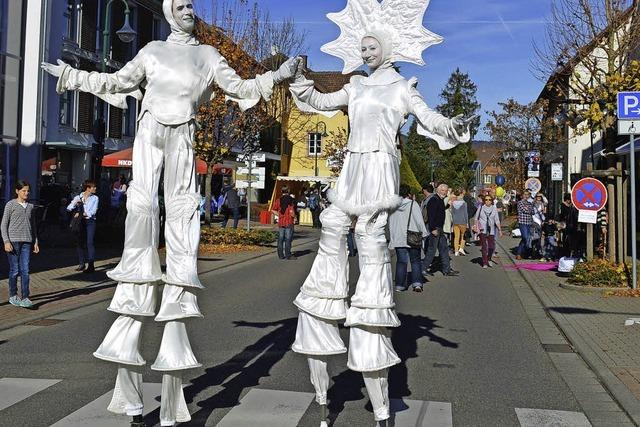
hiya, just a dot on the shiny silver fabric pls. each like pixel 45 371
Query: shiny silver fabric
pixel 378 391
pixel 319 378
pixel 175 349
pixel 367 189
pixel 127 394
pixel 317 336
pixel 173 407
pixel 122 342
pixel 178 76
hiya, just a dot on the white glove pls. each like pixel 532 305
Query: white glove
pixel 286 70
pixel 54 70
pixel 461 124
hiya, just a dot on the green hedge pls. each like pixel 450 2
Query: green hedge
pixel 230 236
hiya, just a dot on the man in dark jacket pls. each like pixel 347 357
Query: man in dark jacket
pixel 436 239
pixel 230 206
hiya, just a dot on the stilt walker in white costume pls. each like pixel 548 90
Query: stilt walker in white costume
pixel 378 34
pixel 179 75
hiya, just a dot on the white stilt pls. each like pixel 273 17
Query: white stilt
pixel 319 377
pixel 173 407
pixel 127 394
pixel 378 390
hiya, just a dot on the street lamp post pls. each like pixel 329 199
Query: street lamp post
pixel 323 134
pixel 127 35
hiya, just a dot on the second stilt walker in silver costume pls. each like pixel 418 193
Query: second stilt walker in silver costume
pixel 179 74
pixel 378 34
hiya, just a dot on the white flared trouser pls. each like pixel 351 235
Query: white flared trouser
pixel 322 303
pixel 138 273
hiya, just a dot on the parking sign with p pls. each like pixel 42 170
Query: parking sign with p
pixel 629 105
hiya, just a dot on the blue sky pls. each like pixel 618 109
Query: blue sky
pixel 492 40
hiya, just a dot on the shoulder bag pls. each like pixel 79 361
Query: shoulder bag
pixel 414 238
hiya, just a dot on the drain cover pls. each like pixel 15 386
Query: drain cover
pixel 557 348
pixel 45 322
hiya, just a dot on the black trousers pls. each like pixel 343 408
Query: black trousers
pixel 441 244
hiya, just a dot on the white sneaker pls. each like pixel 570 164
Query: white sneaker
pixel 456 254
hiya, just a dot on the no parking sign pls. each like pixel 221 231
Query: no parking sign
pixel 589 196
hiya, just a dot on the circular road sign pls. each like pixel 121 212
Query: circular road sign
pixel 533 184
pixel 589 194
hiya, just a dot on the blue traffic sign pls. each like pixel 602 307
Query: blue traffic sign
pixel 628 105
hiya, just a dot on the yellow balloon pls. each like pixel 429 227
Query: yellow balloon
pixel 500 192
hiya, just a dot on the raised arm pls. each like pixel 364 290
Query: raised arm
pixel 111 87
pixel 248 93
pixel 304 92
pixel 445 131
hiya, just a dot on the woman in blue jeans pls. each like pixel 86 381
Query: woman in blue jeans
pixel 406 217
pixel 87 215
pixel 19 236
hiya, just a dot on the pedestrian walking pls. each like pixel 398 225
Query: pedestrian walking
pixel 460 218
pixel 406 231
pixel 313 203
pixel 19 233
pixel 437 241
pixel 285 209
pixel 231 206
pixel 525 219
pixel 351 239
pixel 83 224
pixel 487 225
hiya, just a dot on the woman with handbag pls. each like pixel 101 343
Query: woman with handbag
pixel 487 225
pixel 83 210
pixel 407 231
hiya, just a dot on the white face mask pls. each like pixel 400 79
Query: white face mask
pixel 372 54
pixel 184 15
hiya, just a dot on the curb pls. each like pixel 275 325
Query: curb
pixel 621 394
pixel 589 289
pixel 54 313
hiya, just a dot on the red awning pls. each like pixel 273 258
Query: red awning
pixel 122 159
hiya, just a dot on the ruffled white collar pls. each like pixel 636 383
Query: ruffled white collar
pixel 382 77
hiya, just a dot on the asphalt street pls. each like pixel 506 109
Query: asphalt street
pixel 464 341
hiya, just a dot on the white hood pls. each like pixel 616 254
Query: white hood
pixel 178 34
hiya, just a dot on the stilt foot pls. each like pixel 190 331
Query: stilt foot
pixel 137 421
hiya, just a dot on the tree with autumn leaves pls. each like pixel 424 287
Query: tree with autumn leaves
pixel 589 55
pixel 239 32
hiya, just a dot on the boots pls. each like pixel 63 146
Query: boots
pixel 91 268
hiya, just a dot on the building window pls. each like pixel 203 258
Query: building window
pixel 488 179
pixel 70 20
pixel 66 108
pixel 315 143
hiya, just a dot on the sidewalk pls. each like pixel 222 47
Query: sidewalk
pixel 56 287
pixel 594 325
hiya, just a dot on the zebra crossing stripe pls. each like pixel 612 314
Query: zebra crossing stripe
pixel 548 418
pixel 95 413
pixel 13 390
pixel 268 408
pixel 419 413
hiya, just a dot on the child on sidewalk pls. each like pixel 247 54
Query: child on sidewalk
pixel 20 239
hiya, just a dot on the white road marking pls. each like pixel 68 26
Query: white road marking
pixel 419 413
pixel 268 408
pixel 548 418
pixel 13 390
pixel 95 413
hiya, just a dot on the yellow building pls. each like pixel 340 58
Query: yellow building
pixel 304 163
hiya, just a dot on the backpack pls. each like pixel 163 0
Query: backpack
pixel 425 213
pixel 313 202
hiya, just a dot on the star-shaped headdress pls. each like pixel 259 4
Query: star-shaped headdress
pixel 399 19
